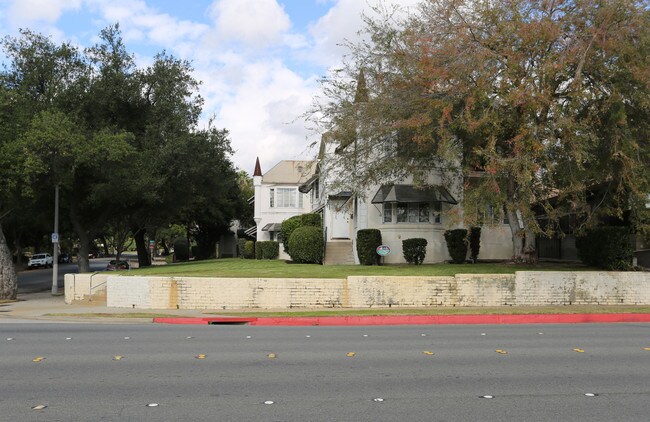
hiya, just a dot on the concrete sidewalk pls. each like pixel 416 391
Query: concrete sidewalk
pixel 40 307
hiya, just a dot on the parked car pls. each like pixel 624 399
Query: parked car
pixel 40 260
pixel 115 265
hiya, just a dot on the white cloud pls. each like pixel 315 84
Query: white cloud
pixel 251 22
pixel 260 108
pixel 25 12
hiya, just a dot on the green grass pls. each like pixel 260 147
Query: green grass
pixel 247 268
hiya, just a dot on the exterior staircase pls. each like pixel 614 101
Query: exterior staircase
pixel 339 253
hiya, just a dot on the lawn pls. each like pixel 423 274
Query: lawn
pixel 247 268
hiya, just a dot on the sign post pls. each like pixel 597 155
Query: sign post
pixel 152 243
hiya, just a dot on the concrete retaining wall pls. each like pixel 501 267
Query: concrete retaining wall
pixel 524 288
pixel 85 287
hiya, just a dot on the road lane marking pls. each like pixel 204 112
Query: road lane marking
pixel 118 357
pixel 350 354
pixel 272 356
pixel 38 359
pixel 579 350
pixel 201 356
pixel 427 352
pixel 269 402
pixel 39 407
pixel 500 351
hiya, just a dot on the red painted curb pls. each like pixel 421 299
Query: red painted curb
pixel 415 320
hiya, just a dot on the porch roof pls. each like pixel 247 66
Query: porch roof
pixel 409 193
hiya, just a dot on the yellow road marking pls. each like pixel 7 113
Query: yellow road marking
pixel 272 355
pixel 578 350
pixel 201 356
pixel 503 352
pixel 426 352
pixel 646 348
pixel 350 354
pixel 38 359
pixel 118 357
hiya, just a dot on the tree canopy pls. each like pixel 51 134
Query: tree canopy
pixel 541 106
pixel 122 143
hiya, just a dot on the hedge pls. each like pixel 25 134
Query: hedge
pixel 606 247
pixel 306 245
pixel 288 226
pixel 266 249
pixel 240 247
pixel 181 250
pixel 367 242
pixel 474 243
pixel 414 250
pixel 249 249
pixel 311 219
pixel 457 245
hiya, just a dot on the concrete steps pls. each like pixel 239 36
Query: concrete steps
pixel 339 253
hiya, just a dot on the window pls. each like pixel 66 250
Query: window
pixel 437 211
pixel 287 198
pixel 402 212
pixel 316 189
pixel 388 212
pixel 272 198
pixel 414 213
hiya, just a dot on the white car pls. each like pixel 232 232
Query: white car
pixel 40 260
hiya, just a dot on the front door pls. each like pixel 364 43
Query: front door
pixel 340 223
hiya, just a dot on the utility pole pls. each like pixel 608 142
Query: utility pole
pixel 55 243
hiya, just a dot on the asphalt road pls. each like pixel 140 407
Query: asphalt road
pixel 540 377
pixel 40 279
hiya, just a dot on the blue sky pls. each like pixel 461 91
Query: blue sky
pixel 258 60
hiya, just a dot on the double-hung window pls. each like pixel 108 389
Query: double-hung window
pixel 286 198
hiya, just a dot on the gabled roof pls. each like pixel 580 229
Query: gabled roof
pixel 290 172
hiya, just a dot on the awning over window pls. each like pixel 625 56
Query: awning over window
pixel 251 231
pixel 341 195
pixel 272 227
pixel 409 193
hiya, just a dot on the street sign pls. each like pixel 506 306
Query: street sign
pixel 383 250
pixel 55 238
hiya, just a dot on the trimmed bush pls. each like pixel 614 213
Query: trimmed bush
pixel 474 242
pixel 457 245
pixel 311 219
pixel 414 250
pixel 181 250
pixel 306 245
pixel 240 247
pixel 606 247
pixel 288 226
pixel 249 249
pixel 268 249
pixel 367 242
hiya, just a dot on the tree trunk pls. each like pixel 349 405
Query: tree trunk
pixel 523 240
pixel 141 247
pixel 84 250
pixel 163 243
pixel 8 278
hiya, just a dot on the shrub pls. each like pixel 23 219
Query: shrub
pixel 367 242
pixel 267 249
pixel 606 247
pixel 240 247
pixel 288 226
pixel 414 250
pixel 249 249
pixel 474 242
pixel 457 245
pixel 306 245
pixel 311 219
pixel 181 250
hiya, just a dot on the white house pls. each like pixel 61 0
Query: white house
pixel 277 197
pixel 400 210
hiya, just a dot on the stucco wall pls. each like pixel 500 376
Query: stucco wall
pixel 524 288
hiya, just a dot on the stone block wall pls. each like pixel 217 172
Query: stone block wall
pixel 85 287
